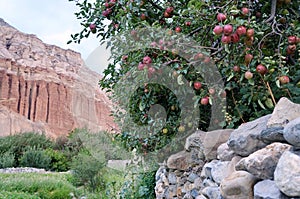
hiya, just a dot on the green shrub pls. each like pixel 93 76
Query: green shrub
pixel 86 170
pixel 34 157
pixel 16 144
pixel 7 159
pixel 74 143
pixel 139 186
pixel 59 161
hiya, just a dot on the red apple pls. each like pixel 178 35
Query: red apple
pixel 204 100
pixel 93 28
pixel 197 85
pixel 261 69
pixel 250 32
pixel 188 23
pixel 167 15
pixel 236 69
pixel 106 12
pixel 143 16
pixel 248 58
pixel 223 94
pixel 177 29
pixel 212 91
pixel 241 30
pixel 221 17
pixel 124 57
pixel 245 11
pixel 198 56
pixel 206 60
pixel 151 70
pixel 169 10
pixel 292 39
pixel 235 38
pixel 228 29
pixel 226 39
pixel 141 66
pixel 218 30
pixel 248 75
pixel 147 60
pixel 284 79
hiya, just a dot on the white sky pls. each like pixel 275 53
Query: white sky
pixel 53 21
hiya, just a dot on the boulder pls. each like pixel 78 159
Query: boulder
pixel 267 189
pixel 220 170
pixel 181 161
pixel 262 163
pixel 207 143
pixel 291 132
pixel 245 139
pixel 287 174
pixel 272 134
pixel 224 153
pixel 284 112
pixel 211 192
pixel 239 185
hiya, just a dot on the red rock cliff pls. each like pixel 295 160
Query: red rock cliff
pixel 46 88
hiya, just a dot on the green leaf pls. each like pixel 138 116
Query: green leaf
pixel 261 104
pixel 278 83
pixel 251 82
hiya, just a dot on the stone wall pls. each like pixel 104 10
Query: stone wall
pixel 258 160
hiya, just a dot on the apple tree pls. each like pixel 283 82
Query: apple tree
pixel 253 43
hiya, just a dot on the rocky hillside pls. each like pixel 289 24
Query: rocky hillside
pixel 45 88
pixel 259 160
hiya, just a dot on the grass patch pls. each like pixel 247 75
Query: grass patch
pixel 36 185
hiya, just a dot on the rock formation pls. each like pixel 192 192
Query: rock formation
pixel 45 88
pixel 260 159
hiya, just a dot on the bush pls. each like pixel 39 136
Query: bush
pixel 59 161
pixel 16 144
pixel 7 160
pixel 87 171
pixel 34 157
pixel 140 186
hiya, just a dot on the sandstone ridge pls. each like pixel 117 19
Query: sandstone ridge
pixel 47 89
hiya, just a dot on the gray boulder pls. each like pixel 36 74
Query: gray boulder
pixel 239 185
pixel 267 189
pixel 224 153
pixel 291 133
pixel 262 163
pixel 287 174
pixel 207 143
pixel 273 134
pixel 245 139
pixel 284 112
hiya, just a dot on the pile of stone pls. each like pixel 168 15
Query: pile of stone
pixel 23 170
pixel 260 159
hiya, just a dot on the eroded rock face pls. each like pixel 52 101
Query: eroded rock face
pixel 48 86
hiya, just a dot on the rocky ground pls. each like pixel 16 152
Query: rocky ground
pixel 259 160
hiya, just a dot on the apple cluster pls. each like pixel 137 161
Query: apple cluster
pixel 228 35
